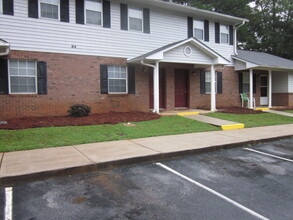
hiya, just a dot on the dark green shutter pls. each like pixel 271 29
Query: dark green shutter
pixel 206 31
pixel 202 82
pixel 3 76
pixel 217 32
pixel 146 21
pixel 254 83
pixel 33 8
pixel 104 79
pixel 42 77
pixel 64 10
pixel 219 82
pixel 131 80
pixel 79 11
pixel 8 7
pixel 124 16
pixel 106 14
pixel 231 35
pixel 189 27
pixel 240 83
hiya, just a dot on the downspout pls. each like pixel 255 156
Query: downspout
pixel 235 36
pixel 155 84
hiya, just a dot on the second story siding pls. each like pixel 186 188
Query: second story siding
pixel 45 35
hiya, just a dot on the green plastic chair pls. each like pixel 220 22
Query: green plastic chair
pixel 244 98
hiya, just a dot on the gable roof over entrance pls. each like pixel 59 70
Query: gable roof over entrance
pixel 259 60
pixel 190 51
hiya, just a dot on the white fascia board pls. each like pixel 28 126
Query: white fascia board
pixel 221 61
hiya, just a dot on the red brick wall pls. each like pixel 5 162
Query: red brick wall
pixel 72 79
pixel 280 99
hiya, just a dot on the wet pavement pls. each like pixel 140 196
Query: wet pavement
pixel 259 183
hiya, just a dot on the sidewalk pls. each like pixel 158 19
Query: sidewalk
pixel 50 162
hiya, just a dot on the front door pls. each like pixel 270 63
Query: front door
pixel 181 88
pixel 162 88
pixel 263 90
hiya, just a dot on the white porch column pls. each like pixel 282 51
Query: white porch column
pixel 156 88
pixel 250 88
pixel 213 88
pixel 270 88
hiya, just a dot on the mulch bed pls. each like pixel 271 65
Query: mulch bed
pixel 237 110
pixel 94 119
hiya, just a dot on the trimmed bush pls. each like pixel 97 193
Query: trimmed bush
pixel 79 110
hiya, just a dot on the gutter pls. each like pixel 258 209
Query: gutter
pixel 235 36
pixel 6 45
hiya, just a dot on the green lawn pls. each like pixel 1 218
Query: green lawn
pixel 254 120
pixel 63 136
pixel 290 111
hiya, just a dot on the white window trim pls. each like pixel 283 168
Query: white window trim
pixel 224 33
pixel 128 20
pixel 1 6
pixel 23 93
pixel 51 19
pixel 119 78
pixel 216 84
pixel 95 25
pixel 203 32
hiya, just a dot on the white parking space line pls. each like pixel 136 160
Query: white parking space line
pixel 8 203
pixel 270 155
pixel 214 192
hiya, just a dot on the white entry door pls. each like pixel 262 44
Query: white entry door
pixel 263 90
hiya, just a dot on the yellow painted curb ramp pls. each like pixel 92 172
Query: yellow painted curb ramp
pixel 233 126
pixel 262 109
pixel 187 113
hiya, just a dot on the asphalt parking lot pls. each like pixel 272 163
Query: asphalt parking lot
pixel 229 184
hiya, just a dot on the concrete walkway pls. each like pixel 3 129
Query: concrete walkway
pixel 224 124
pixel 50 162
pixel 280 113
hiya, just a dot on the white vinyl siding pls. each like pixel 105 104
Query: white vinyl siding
pixel 117 79
pixel 46 35
pixel 135 18
pixel 22 77
pixel 49 9
pixel 208 80
pixel 224 34
pixel 245 82
pixel 198 30
pixel 93 12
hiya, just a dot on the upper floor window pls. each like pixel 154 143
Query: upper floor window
pixel 50 9
pixel 198 31
pixel 224 30
pixel 135 18
pixel 22 76
pixel 93 11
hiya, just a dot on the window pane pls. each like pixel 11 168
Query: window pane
pixel 22 72
pixel 13 63
pixel 22 84
pixel 13 71
pixel 199 24
pixel 22 64
pixel 135 24
pixel 198 33
pixel 135 12
pixel 208 76
pixel 93 17
pixel 245 78
pixel 31 64
pixel 49 11
pixel 208 87
pixel 31 72
pixel 224 38
pixel 245 87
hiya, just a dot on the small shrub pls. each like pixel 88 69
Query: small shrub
pixel 79 110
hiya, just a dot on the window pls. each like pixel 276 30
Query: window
pixel 22 76
pixel 208 80
pixel 117 79
pixel 198 31
pixel 224 29
pixel 1 7
pixel 93 11
pixel 135 18
pixel 49 9
pixel 245 82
